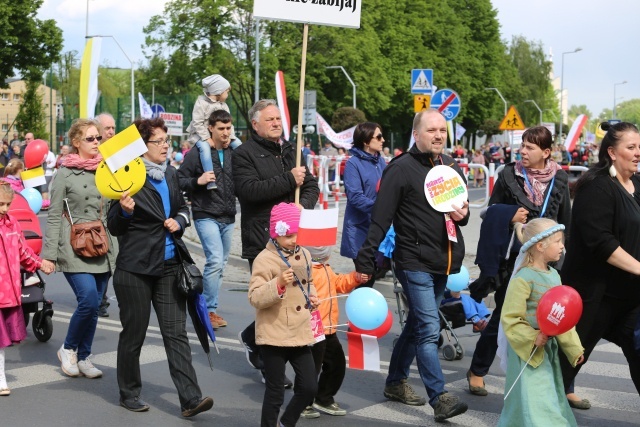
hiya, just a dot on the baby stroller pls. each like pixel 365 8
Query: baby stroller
pixel 33 294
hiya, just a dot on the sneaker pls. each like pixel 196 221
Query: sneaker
pixel 403 393
pixel 102 311
pixel 221 322
pixel 252 356
pixel 333 409
pixel 309 413
pixel 195 406
pixel 7 392
pixel 448 406
pixel 87 369
pixel 134 404
pixel 69 361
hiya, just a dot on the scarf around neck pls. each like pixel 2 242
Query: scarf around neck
pixel 74 161
pixel 154 170
pixel 538 178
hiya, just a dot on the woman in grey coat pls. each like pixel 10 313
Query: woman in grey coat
pixel 74 191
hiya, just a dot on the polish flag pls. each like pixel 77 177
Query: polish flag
pixel 364 352
pixel 281 94
pixel 318 227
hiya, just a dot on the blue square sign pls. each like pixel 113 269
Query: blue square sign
pixel 422 81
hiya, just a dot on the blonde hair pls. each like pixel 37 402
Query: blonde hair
pixel 5 187
pixel 13 167
pixel 531 230
pixel 78 129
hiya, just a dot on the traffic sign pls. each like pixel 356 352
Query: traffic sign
pixel 422 81
pixel 448 102
pixel 421 102
pixel 157 109
pixel 512 120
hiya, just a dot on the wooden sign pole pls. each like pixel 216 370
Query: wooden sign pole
pixel 303 71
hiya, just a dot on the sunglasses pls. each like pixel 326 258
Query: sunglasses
pixel 93 138
pixel 378 137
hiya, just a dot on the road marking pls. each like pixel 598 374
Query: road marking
pixel 422 415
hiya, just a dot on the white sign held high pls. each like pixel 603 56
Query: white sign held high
pixel 339 13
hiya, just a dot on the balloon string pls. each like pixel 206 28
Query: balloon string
pixel 335 326
pixel 520 374
pixel 335 296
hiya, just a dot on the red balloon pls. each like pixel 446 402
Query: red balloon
pixel 559 310
pixel 584 158
pixel 378 332
pixel 35 153
pixel 574 154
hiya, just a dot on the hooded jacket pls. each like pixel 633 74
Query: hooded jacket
pixel 329 284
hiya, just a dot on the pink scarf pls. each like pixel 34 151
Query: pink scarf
pixel 539 180
pixel 74 161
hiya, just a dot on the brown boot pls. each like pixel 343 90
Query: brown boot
pixel 220 320
pixel 214 321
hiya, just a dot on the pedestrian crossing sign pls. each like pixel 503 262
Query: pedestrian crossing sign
pixel 422 81
pixel 421 102
pixel 512 120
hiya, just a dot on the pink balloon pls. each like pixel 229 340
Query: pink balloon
pixel 378 332
pixel 35 153
pixel 559 310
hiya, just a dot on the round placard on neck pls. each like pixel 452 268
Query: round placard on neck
pixel 445 188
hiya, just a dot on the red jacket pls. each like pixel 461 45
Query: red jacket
pixel 14 252
pixel 329 284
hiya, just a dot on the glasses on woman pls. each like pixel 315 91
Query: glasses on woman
pixel 93 138
pixel 159 142
pixel 378 137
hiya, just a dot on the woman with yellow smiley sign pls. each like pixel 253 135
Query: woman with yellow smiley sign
pixel 130 177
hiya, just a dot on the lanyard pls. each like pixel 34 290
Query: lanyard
pixel 306 294
pixel 546 200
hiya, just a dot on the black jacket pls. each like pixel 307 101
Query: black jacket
pixel 219 204
pixel 421 237
pixel 142 237
pixel 262 177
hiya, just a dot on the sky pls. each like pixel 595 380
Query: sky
pixel 606 32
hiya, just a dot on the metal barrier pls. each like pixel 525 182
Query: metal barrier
pixel 487 194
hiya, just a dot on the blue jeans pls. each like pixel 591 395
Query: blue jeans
pixel 419 337
pixel 205 155
pixel 89 288
pixel 215 238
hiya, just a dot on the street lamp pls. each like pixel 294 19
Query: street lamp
pixel 502 97
pixel 133 105
pixel 350 81
pixel 615 100
pixel 153 93
pixel 534 103
pixel 578 49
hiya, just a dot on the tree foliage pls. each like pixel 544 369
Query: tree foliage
pixel 31 116
pixel 346 117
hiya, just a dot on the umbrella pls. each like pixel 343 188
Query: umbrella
pixel 200 318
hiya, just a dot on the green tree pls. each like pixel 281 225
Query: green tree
pixel 346 117
pixel 31 116
pixel 629 111
pixel 26 43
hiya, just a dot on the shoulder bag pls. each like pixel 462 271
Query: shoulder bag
pixel 189 276
pixel 88 239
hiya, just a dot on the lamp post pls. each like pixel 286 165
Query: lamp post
pixel 501 97
pixel 534 103
pixel 578 49
pixel 615 100
pixel 350 81
pixel 153 94
pixel 133 105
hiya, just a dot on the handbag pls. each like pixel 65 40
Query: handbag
pixel 88 239
pixel 189 276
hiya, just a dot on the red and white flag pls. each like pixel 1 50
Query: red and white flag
pixel 281 94
pixel 364 352
pixel 318 227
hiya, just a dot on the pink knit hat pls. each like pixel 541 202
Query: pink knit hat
pixel 285 218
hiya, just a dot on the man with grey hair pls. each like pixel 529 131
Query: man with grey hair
pixel 265 174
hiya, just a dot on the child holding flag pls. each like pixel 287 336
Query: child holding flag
pixel 283 294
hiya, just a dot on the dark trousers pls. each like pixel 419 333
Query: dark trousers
pixel 305 385
pixel 487 344
pixel 136 293
pixel 613 320
pixel 331 366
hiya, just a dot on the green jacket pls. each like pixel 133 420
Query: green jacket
pixel 79 188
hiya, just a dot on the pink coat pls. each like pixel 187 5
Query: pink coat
pixel 14 252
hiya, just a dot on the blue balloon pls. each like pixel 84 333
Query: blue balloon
pixel 178 157
pixel 366 308
pixel 34 198
pixel 459 281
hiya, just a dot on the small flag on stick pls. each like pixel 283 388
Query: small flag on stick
pixel 364 352
pixel 123 148
pixel 33 177
pixel 318 227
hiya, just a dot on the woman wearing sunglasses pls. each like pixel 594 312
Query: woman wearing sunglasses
pixel 74 195
pixel 362 175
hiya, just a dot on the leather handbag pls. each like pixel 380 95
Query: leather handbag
pixel 88 239
pixel 189 276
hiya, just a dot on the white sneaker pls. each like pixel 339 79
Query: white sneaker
pixel 69 361
pixel 87 369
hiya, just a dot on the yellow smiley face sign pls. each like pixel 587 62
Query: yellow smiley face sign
pixel 130 177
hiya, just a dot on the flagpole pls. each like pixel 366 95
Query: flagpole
pixel 303 71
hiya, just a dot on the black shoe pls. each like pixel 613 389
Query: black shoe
pixel 253 356
pixel 448 406
pixel 134 404
pixel 195 406
pixel 102 312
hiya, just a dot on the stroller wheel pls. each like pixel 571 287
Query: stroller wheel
pixel 45 330
pixel 459 351
pixel 449 352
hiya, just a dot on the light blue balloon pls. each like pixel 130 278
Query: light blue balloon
pixel 34 198
pixel 366 308
pixel 459 281
pixel 178 157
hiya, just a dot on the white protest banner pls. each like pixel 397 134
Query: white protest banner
pixel 343 139
pixel 173 122
pixel 339 13
pixel 444 188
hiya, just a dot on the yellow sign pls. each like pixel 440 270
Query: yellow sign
pixel 130 177
pixel 421 102
pixel 512 120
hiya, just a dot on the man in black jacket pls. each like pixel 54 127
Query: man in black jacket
pixel 425 254
pixel 265 174
pixel 214 211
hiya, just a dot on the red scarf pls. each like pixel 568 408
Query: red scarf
pixel 74 161
pixel 539 180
